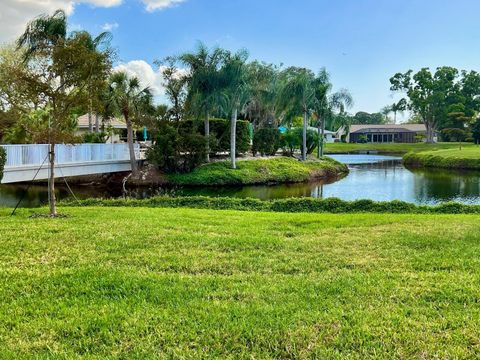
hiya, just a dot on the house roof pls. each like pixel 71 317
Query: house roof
pixel 113 122
pixel 326 131
pixel 387 128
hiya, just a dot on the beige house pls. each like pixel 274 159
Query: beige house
pixel 388 133
pixel 114 127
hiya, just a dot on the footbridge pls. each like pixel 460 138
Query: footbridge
pixel 26 162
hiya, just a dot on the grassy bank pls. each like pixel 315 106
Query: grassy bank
pixel 292 205
pixel 464 158
pixel 259 171
pixel 146 283
pixel 389 148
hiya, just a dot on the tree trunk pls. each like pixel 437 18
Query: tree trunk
pixel 322 138
pixel 304 137
pixel 52 201
pixel 430 131
pixel 207 135
pixel 131 149
pixel 97 123
pixel 233 138
pixel 90 124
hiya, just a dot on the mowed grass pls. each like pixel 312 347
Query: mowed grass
pixel 393 148
pixel 139 283
pixel 458 158
pixel 260 171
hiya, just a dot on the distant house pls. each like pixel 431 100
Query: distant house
pixel 114 127
pixel 329 136
pixel 388 133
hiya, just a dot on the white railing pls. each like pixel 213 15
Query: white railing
pixel 35 154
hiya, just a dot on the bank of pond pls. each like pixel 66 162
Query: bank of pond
pixel 377 178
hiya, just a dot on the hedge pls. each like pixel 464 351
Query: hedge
pixel 291 205
pixel 3 160
pixel 220 134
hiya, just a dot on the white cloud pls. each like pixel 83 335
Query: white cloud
pixel 152 5
pixel 147 75
pixel 14 14
pixel 110 26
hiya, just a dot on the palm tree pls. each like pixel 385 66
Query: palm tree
pixel 204 82
pixel 125 96
pixel 236 83
pixel 326 104
pixel 297 96
pixel 398 107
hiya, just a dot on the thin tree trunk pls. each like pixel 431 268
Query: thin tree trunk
pixel 131 149
pixel 430 131
pixel 319 146
pixel 233 138
pixel 207 135
pixel 97 123
pixel 304 137
pixel 322 139
pixel 90 124
pixel 51 183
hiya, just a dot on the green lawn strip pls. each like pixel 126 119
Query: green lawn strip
pixel 260 171
pixel 458 158
pixel 392 148
pixel 145 283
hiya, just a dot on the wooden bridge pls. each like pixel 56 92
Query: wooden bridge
pixel 24 161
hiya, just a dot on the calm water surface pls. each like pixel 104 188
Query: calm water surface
pixel 373 177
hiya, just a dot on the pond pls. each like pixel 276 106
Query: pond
pixel 375 177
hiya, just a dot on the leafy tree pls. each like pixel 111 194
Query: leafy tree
pixel 364 118
pixel 204 83
pixel 175 84
pixel 435 96
pixel 58 69
pixel 127 98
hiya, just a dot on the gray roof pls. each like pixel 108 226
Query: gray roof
pixel 113 122
pixel 387 128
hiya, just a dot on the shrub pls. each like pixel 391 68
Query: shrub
pixel 291 205
pixel 94 138
pixel 3 160
pixel 176 151
pixel 453 134
pixel 266 141
pixel 292 140
pixel 220 134
pixel 362 139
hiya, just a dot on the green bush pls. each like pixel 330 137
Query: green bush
pixel 94 138
pixel 292 140
pixel 3 160
pixel 176 151
pixel 266 141
pixel 453 134
pixel 220 134
pixel 291 205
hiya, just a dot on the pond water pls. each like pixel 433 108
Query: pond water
pixel 375 177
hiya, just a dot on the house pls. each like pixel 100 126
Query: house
pixel 115 128
pixel 388 133
pixel 329 136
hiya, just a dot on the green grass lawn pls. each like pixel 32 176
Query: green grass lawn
pixel 457 158
pixel 259 171
pixel 145 283
pixel 393 148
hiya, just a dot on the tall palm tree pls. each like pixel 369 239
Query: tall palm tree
pixel 326 104
pixel 297 95
pixel 236 83
pixel 204 82
pixel 126 97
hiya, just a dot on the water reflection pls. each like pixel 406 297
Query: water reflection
pixel 375 177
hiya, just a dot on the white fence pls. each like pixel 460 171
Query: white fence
pixel 35 154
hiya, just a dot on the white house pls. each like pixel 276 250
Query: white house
pixel 329 136
pixel 114 127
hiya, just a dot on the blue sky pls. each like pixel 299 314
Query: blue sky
pixel 360 42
